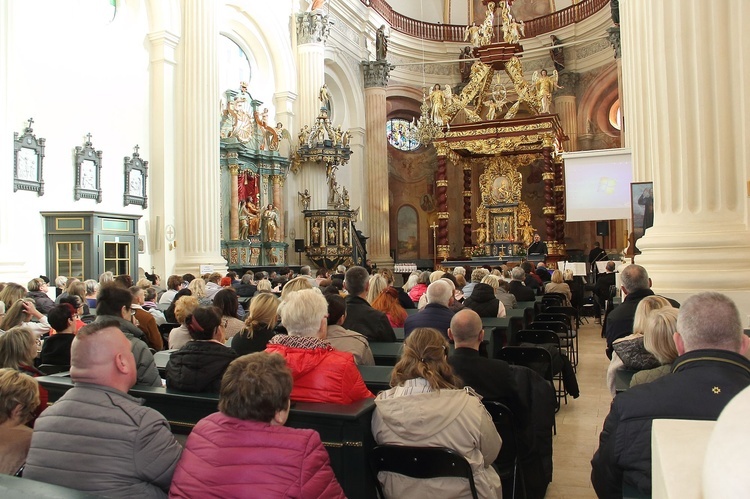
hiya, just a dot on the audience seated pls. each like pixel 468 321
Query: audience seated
pixel 710 370
pixel 476 277
pixel 38 292
pixel 388 302
pixel 18 349
pixel 198 288
pixel 113 304
pixel 200 364
pixel 501 291
pixel 19 398
pixel 321 374
pixel 21 313
pixel 149 305
pixel 226 301
pixel 427 408
pixel 145 321
pixel 245 450
pixel 184 306
pixel 557 285
pixel 517 287
pixel 658 339
pixel 260 325
pixel 376 285
pixel 169 313
pixel 294 285
pixel 56 348
pixel 96 438
pixel 403 297
pixel 174 284
pixel 436 313
pixel 11 293
pixel 345 340
pixel 360 316
pixel 543 272
pixel 213 285
pixel 532 280
pixel 636 285
pixel 420 288
pixel 490 378
pixel 484 302
pixel 246 287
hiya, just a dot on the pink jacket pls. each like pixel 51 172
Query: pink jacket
pixel 417 291
pixel 228 457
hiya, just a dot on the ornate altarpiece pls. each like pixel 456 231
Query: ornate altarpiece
pixel 252 177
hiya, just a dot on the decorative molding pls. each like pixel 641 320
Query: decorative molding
pixel 441 183
pixel 592 48
pixel 614 39
pixel 568 80
pixel 312 28
pixel 376 73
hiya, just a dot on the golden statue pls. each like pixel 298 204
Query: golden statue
pixel 544 86
pixel 437 103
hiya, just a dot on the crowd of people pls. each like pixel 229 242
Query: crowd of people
pixel 301 340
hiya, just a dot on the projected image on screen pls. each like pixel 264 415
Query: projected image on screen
pixel 597 185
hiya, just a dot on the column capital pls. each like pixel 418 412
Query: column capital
pixel 614 38
pixel 568 80
pixel 312 28
pixel 376 73
pixel 234 170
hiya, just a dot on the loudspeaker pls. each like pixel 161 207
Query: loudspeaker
pixel 602 228
pixel 299 245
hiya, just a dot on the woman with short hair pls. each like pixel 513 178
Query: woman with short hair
pixel 19 398
pixel 556 285
pixel 18 349
pixel 183 307
pixel 200 364
pixel 248 434
pixel 38 292
pixel 56 348
pixel 426 407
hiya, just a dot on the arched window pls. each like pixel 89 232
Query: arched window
pixel 234 65
pixel 615 115
pixel 401 134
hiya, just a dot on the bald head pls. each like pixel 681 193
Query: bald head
pixel 466 329
pixel 101 354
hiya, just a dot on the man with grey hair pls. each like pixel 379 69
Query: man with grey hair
pixel 709 372
pixel 360 316
pixel 436 313
pixel 636 285
pixel 246 287
pixel 517 287
pixel 306 272
pixel 321 374
pixel 476 277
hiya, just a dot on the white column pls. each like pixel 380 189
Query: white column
pixel 688 122
pixel 198 231
pixel 376 164
pixel 162 149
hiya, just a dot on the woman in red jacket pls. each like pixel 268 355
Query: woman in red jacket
pixel 245 451
pixel 321 374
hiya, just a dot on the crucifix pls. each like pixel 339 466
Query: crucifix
pixel 31 120
pixel 88 138
pixel 434 227
pixel 136 148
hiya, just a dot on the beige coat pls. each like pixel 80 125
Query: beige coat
pixel 559 287
pixel 346 340
pixel 446 418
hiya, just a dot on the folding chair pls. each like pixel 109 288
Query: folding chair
pixel 568 334
pixel 508 460
pixel 574 321
pixel 546 337
pixel 420 462
pixel 536 359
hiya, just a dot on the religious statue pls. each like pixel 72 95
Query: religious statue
pixel 481 235
pixel 324 96
pixel 437 103
pixel 270 223
pixel 303 135
pixel 345 236
pixel 513 30
pixel 557 54
pixel 337 136
pixel 464 66
pixel 315 234
pixel 544 86
pixel 304 199
pixel 248 215
pixel 346 138
pixel 487 30
pixel 381 44
pixel 448 92
pixel 345 198
pixel 331 233
pixel 241 119
pixel 527 233
pixel 317 5
pixel 471 35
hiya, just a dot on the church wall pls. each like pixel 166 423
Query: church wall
pixel 74 72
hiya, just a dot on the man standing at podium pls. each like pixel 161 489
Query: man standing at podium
pixel 537 247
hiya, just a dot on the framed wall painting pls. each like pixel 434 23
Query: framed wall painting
pixel 136 176
pixel 28 161
pixel 88 164
pixel 642 207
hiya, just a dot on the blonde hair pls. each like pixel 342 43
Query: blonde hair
pixel 16 315
pixel 492 280
pixel 425 356
pixel 658 335
pixel 198 287
pixel 143 283
pixel 296 284
pixel 264 310
pixel 376 287
pixel 17 348
pixel 645 307
pixel 17 388
pixel 437 274
pixel 264 285
pixel 557 277
pixel 184 307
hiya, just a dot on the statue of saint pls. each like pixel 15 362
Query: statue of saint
pixel 557 54
pixel 465 65
pixel 471 35
pixel 315 234
pixel 345 236
pixel 437 103
pixel 381 44
pixel 331 233
pixel 544 86
pixel 270 223
pixel 249 219
pixel 325 97
pixel 304 199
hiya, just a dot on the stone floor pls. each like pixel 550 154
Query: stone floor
pixel 580 421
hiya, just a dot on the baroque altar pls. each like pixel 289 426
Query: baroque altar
pixel 253 173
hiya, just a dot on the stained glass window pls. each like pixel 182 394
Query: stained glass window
pixel 402 134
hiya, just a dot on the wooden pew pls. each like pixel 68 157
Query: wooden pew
pixel 386 354
pixel 344 429
pixel 377 378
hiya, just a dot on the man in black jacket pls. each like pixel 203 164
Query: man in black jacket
pixel 709 372
pixel 360 316
pixel 636 285
pixel 517 287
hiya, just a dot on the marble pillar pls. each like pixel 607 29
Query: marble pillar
pixel 162 147
pixel 688 123
pixel 312 33
pixel 375 204
pixel 567 109
pixel 198 234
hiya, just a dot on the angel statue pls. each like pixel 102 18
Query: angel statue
pixel 481 235
pixel 471 34
pixel 325 98
pixel 544 86
pixel 281 133
pixel 486 30
pixel 437 103
pixel 448 95
pixel 491 108
pixel 304 199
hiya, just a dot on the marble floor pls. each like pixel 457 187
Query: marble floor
pixel 580 421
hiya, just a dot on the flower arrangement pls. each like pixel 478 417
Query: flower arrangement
pixel 478 250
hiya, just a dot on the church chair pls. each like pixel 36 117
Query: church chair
pixel 53 369
pixel 574 321
pixel 545 337
pixel 508 460
pixel 558 325
pixel 420 462
pixel 538 360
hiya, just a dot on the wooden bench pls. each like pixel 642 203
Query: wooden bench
pixel 344 429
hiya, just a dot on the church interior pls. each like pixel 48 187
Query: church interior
pixel 190 136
